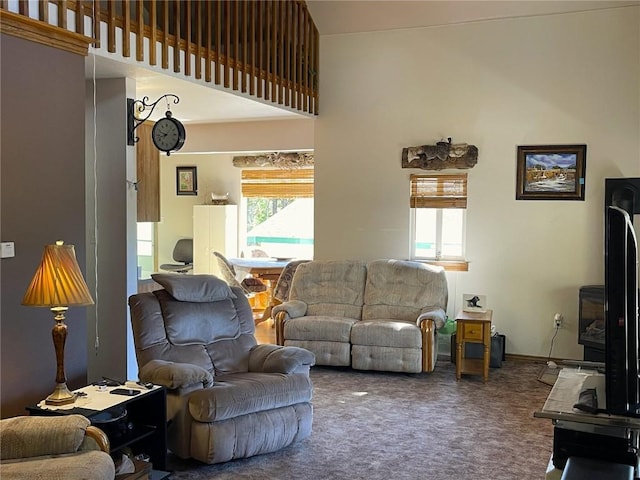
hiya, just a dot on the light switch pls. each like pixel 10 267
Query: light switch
pixel 7 249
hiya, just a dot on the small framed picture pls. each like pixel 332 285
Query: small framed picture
pixel 473 302
pixel 551 172
pixel 186 180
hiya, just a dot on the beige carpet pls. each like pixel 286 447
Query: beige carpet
pixel 371 425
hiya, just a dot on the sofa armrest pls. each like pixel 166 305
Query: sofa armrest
pixel 95 439
pixel 174 375
pixel 277 359
pixel 436 314
pixel 293 308
pixel 33 436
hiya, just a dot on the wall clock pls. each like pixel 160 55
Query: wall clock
pixel 168 134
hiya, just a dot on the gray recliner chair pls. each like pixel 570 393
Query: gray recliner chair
pixel 227 396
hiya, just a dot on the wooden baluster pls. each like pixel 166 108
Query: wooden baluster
pixel 316 66
pixel 62 14
pixel 187 39
pixel 244 33
pixel 199 48
pixel 43 10
pixel 287 54
pixel 259 39
pixel 176 37
pixel 218 37
pixel 208 51
pixel 165 34
pixel 295 51
pixel 140 31
pixel 273 67
pixel 267 51
pixel 23 7
pixel 126 28
pixel 227 43
pixel 96 19
pixel 79 10
pixel 305 63
pixel 111 27
pixel 252 50
pixel 153 22
pixel 235 40
pixel 281 48
pixel 301 19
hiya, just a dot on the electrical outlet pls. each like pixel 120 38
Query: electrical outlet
pixel 557 320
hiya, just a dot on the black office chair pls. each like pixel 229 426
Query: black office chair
pixel 182 252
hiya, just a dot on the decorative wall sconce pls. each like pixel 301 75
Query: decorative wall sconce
pixel 168 133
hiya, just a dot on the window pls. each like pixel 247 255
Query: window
pixel 277 213
pixel 146 249
pixel 438 213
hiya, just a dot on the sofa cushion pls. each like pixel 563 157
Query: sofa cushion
pixel 402 289
pixel 326 353
pixel 386 359
pixel 194 288
pixel 96 465
pixel 332 329
pixel 386 333
pixel 333 288
pixel 239 394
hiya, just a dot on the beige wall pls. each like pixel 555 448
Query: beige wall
pixel 215 174
pixel 259 136
pixel 559 79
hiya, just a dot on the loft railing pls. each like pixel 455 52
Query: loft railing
pixel 268 48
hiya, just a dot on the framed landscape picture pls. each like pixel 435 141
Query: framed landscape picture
pixel 186 180
pixel 551 172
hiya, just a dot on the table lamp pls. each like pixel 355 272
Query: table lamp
pixel 58 284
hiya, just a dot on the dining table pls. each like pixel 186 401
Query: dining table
pixel 264 268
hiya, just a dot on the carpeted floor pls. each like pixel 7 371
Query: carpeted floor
pixel 373 425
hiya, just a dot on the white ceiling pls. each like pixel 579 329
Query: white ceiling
pixel 200 103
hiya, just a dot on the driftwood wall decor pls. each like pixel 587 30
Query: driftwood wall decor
pixel 440 156
pixel 289 160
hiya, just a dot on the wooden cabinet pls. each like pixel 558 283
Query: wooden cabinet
pixel 148 175
pixel 215 229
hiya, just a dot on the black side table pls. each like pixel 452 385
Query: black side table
pixel 146 420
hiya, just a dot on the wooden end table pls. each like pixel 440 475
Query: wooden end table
pixel 473 327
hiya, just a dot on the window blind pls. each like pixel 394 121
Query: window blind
pixel 278 183
pixel 439 191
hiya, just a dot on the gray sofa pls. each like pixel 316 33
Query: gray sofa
pixel 227 397
pixel 381 315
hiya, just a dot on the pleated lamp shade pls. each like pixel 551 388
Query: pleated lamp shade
pixel 58 282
